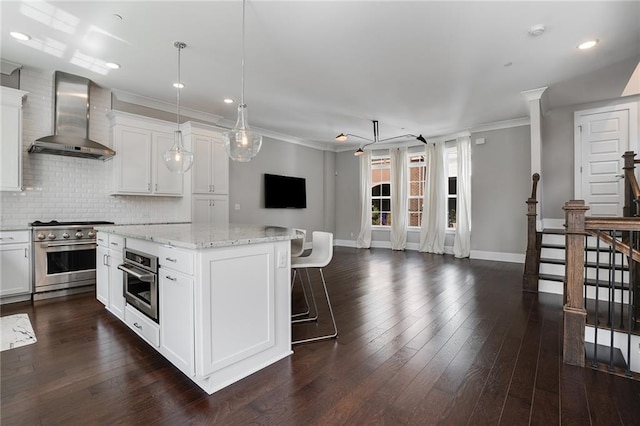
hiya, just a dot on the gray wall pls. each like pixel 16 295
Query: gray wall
pixel 500 185
pixel 557 154
pixel 246 186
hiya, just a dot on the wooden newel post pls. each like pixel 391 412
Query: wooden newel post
pixel 629 208
pixel 534 238
pixel 575 314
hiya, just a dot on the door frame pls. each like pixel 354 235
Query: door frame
pixel 632 107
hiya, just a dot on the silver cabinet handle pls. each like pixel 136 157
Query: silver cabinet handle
pixel 115 244
pixel 156 187
pixel 213 188
pixel 171 278
pixel 149 186
pixel 171 260
pixel 6 238
pixel 26 255
pixel 136 325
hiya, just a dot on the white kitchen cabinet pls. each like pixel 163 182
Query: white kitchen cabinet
pixel 138 167
pixel 11 139
pixel 109 279
pixel 211 164
pixel 210 209
pixel 177 340
pixel 15 266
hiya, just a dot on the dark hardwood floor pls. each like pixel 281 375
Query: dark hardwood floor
pixel 423 339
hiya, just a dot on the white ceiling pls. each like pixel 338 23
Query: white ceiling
pixel 318 68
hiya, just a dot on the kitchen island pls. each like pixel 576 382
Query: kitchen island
pixel 224 305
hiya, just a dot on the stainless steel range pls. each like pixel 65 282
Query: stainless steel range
pixel 64 257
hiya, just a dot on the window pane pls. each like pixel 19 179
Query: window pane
pixel 452 204
pixel 375 191
pixel 414 219
pixel 386 189
pixel 386 205
pixel 453 189
pixel 385 219
pixel 376 204
pixel 415 204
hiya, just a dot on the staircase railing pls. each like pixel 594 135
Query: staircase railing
pixel 534 241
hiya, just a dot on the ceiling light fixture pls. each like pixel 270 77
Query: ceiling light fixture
pixel 536 30
pixel 344 136
pixel 19 36
pixel 587 44
pixel 177 158
pixel 228 101
pixel 241 142
pixel 112 65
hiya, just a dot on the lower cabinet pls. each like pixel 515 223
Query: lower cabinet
pixel 15 265
pixel 176 319
pixel 109 279
pixel 213 210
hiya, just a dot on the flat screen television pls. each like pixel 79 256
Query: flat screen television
pixel 284 192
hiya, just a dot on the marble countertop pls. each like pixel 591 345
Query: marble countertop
pixel 202 235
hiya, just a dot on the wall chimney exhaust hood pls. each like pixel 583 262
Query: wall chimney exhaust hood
pixel 71 122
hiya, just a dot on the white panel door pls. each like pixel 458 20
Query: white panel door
pixel 604 139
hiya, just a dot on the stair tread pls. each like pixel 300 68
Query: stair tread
pixel 553 231
pixel 553 261
pixel 588 281
pixel 562 247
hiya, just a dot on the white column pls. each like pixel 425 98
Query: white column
pixel 535 115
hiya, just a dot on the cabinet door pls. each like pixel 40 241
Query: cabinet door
pixel 165 181
pixel 220 211
pixel 176 319
pixel 11 148
pixel 14 269
pixel 102 275
pixel 203 163
pixel 201 210
pixel 220 171
pixel 116 284
pixel 132 163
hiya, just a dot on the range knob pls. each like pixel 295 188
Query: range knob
pixel 65 235
pixel 51 236
pixel 79 234
pixel 91 234
pixel 41 236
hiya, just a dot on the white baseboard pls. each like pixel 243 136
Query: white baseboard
pixel 497 256
pixel 387 245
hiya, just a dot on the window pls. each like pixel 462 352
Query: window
pixel 416 176
pixel 381 191
pixel 452 187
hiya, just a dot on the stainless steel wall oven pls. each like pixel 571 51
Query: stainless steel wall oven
pixel 141 281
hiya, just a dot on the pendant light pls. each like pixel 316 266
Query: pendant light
pixel 344 136
pixel 177 158
pixel 242 143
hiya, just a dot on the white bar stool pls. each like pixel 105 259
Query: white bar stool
pixel 321 255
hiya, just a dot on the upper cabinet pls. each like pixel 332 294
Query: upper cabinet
pixel 11 139
pixel 210 173
pixel 139 169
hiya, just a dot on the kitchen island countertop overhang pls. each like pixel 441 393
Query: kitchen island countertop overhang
pixel 202 235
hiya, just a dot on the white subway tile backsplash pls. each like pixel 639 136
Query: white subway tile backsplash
pixel 67 188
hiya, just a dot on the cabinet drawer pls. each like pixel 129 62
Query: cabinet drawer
pixel 116 242
pixel 179 260
pixel 143 326
pixel 12 237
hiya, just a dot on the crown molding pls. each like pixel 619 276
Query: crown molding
pixel 506 124
pixel 533 94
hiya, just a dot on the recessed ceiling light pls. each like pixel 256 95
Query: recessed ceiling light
pixel 19 36
pixel 112 65
pixel 536 30
pixel 508 64
pixel 587 44
pixel 178 85
pixel 228 101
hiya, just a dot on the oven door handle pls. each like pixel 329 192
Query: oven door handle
pixel 70 244
pixel 148 277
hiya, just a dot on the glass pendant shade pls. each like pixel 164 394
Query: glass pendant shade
pixel 177 158
pixel 241 143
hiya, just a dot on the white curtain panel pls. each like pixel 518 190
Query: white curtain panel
pixel 462 240
pixel 399 198
pixel 434 218
pixel 364 237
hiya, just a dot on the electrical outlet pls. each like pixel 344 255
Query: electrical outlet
pixel 282 259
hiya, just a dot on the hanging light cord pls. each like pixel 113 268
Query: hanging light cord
pixel 178 88
pixel 242 61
